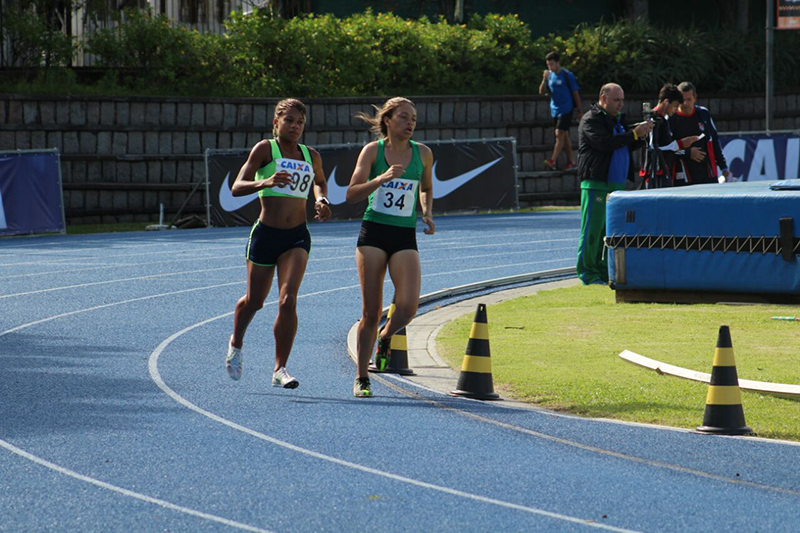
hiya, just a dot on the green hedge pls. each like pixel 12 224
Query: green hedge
pixel 381 54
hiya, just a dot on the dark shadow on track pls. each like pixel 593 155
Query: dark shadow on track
pixel 49 385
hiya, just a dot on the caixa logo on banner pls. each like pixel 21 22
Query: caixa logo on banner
pixel 762 157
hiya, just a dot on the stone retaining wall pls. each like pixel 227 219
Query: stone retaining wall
pixel 122 157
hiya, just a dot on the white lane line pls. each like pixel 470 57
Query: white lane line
pixel 223 245
pixel 152 365
pixel 187 272
pixel 117 256
pixel 112 304
pixel 114 266
pixel 155 375
pixel 495 267
pixel 125 492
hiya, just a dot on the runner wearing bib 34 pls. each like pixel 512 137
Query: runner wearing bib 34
pixel 393 173
pixel 283 172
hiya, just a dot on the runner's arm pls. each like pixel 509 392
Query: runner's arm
pixel 359 187
pixel 245 183
pixel 426 189
pixel 321 204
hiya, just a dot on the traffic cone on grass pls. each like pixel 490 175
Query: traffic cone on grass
pixel 475 380
pixel 724 413
pixel 398 363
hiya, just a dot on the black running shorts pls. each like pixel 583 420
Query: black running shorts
pixel 563 122
pixel 390 239
pixel 266 244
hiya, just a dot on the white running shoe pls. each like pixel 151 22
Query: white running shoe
pixel 281 378
pixel 233 362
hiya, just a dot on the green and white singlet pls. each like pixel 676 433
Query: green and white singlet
pixel 395 202
pixel 302 173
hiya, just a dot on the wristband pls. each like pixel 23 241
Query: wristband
pixel 323 200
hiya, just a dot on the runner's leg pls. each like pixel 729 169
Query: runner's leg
pixel 371 264
pixel 259 281
pixel 405 272
pixel 291 268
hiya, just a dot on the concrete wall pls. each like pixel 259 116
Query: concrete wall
pixel 122 157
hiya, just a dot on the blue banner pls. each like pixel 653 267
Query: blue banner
pixel 31 200
pixel 754 157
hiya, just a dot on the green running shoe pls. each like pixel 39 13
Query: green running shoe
pixel 383 354
pixel 361 388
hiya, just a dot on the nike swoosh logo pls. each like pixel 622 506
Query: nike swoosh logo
pixel 443 188
pixel 336 193
pixel 230 203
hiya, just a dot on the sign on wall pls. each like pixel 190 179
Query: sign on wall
pixel 754 157
pixel 788 14
pixel 467 174
pixel 31 200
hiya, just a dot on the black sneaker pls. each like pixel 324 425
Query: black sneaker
pixel 383 354
pixel 361 388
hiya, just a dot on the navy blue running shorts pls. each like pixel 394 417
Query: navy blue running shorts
pixel 390 239
pixel 266 244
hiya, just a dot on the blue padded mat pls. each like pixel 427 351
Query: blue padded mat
pixel 716 237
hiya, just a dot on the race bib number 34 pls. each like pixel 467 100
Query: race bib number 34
pixel 302 177
pixel 396 198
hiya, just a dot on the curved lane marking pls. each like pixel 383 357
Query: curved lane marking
pixel 587 447
pixel 125 492
pixel 152 365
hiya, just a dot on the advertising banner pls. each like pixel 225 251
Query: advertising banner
pixel 466 174
pixel 31 200
pixel 753 157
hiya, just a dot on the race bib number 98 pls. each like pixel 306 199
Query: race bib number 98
pixel 395 197
pixel 302 177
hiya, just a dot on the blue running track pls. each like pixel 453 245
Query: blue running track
pixel 116 413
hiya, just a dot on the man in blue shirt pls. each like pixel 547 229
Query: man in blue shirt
pixel 564 100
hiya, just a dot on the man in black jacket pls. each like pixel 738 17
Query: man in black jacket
pixel 703 161
pixel 605 148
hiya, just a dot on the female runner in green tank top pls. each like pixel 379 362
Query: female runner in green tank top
pixel 393 172
pixel 281 171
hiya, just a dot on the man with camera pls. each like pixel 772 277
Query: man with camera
pixel 703 161
pixel 605 163
pixel 658 161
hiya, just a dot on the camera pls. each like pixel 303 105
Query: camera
pixel 647 111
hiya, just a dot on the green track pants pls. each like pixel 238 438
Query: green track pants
pixel 592 264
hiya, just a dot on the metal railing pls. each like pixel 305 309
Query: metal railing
pixel 79 22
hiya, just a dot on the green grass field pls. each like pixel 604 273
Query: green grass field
pixel 558 349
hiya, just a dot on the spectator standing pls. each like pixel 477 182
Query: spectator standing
pixel 703 161
pixel 605 147
pixel 669 98
pixel 565 101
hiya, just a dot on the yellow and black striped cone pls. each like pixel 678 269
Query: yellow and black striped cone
pixel 475 380
pixel 398 364
pixel 724 413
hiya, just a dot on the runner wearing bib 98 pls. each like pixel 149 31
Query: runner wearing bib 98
pixel 282 172
pixel 393 172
